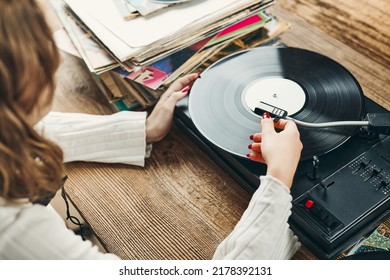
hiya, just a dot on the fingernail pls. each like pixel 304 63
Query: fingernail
pixel 250 146
pixel 185 89
pixel 266 115
pixel 248 155
pixel 251 137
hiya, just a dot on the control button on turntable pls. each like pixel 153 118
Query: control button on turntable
pixel 309 203
pixel 376 171
pixel 382 184
pixel 315 210
pixel 322 215
pixel 328 221
pixel 364 164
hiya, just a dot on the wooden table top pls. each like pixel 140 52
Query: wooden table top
pixel 182 205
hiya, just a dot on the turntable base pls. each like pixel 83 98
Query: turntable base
pixel 346 205
pixel 348 198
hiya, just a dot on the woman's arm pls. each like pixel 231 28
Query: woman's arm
pixel 263 231
pixel 116 138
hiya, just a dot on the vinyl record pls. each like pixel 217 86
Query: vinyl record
pixel 309 86
pixel 168 1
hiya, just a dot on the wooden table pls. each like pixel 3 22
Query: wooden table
pixel 181 205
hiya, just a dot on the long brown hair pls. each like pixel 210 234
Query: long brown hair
pixel 29 164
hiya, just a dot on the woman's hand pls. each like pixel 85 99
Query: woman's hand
pixel 281 151
pixel 159 122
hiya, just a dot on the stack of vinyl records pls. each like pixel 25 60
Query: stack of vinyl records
pixel 135 49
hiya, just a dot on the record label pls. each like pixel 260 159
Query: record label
pixel 279 92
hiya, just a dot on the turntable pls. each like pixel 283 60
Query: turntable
pixel 341 190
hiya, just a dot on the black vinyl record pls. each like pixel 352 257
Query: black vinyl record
pixel 309 86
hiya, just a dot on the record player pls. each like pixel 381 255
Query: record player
pixel 341 190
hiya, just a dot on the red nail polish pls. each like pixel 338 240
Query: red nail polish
pixel 248 155
pixel 266 115
pixel 251 137
pixel 250 146
pixel 185 89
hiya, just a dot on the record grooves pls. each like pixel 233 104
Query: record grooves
pixel 309 86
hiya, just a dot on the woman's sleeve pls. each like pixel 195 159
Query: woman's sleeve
pixel 263 231
pixel 116 138
pixel 36 232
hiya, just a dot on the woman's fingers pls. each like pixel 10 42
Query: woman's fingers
pixel 172 100
pixel 182 82
pixel 255 154
pixel 255 147
pixel 256 137
pixel 256 157
pixel 267 125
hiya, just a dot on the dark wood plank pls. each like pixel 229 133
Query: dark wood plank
pixel 360 24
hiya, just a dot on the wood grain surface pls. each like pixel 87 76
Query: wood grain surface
pixel 354 33
pixel 181 205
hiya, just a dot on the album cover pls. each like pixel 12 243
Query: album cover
pixel 154 75
pixel 126 10
pixel 146 7
pixel 104 90
pixel 97 59
pixel 144 98
pixel 112 86
pixel 240 28
pixel 65 14
pixel 267 35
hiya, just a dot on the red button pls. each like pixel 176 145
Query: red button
pixel 309 203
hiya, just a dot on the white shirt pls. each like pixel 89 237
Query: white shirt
pixel 30 231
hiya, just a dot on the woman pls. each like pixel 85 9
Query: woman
pixel 32 166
